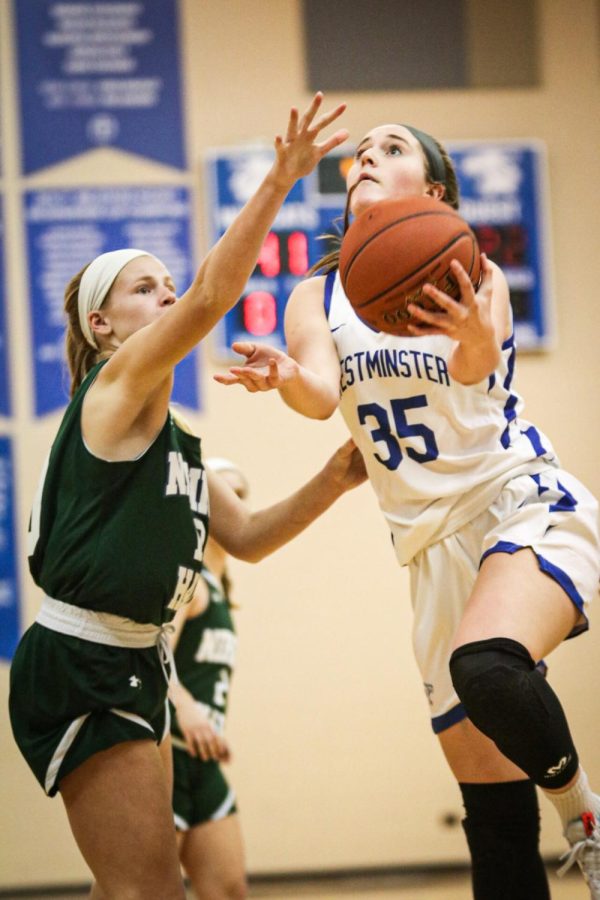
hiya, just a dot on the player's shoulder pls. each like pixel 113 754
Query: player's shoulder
pixel 180 420
pixel 313 286
pixel 307 294
pixel 501 302
pixel 496 269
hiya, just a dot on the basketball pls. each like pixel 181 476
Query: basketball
pixel 393 248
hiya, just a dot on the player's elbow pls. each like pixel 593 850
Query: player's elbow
pixel 247 545
pixel 321 408
pixel 325 413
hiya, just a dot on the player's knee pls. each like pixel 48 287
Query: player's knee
pixel 222 885
pixel 488 675
pixel 236 887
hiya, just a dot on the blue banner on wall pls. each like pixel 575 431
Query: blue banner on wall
pixel 5 403
pixel 9 586
pixel 97 74
pixel 503 198
pixel 68 228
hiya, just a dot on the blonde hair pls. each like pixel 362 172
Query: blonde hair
pixel 330 261
pixel 81 356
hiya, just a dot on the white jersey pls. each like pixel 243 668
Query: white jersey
pixel 437 452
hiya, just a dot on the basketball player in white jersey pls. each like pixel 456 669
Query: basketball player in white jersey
pixel 502 544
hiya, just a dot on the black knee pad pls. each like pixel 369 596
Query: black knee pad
pixel 511 702
pixel 486 674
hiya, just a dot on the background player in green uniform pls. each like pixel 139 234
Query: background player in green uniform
pixel 209 835
pixel 87 688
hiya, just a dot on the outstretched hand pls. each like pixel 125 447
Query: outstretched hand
pixel 468 320
pixel 265 369
pixel 299 151
pixel 479 323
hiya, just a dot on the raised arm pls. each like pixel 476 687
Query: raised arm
pixel 251 535
pixel 140 370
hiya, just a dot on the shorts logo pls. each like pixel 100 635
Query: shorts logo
pixel 563 762
pixel 136 682
pixel 428 692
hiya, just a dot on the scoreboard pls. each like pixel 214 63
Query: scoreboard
pixel 503 197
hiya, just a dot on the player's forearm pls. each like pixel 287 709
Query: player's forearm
pixel 272 528
pixel 310 395
pixel 179 696
pixel 471 363
pixel 223 275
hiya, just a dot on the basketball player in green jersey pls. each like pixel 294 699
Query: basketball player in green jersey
pixel 208 829
pixel 118 530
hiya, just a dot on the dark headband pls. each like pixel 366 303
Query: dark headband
pixel 437 169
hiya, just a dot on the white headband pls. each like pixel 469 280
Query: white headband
pixel 96 282
pixel 220 464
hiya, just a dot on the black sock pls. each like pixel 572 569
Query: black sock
pixel 502 828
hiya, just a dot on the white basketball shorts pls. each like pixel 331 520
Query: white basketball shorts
pixel 553 514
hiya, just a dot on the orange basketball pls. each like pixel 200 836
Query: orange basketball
pixel 393 248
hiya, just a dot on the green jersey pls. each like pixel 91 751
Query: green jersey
pixel 120 537
pixel 205 655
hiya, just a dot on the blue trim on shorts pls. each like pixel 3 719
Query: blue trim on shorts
pixel 447 719
pixel 554 572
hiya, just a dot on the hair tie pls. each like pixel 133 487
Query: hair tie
pixel 437 167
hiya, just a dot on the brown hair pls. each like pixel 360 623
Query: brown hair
pixel 81 356
pixel 330 260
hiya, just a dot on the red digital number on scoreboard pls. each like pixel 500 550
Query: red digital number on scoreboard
pixel 283 253
pixel 259 313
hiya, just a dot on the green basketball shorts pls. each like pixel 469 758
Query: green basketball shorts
pixel 200 791
pixel 71 698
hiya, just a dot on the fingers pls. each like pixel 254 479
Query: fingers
pixel 311 112
pixel 327 118
pixel 258 378
pixel 455 318
pixel 447 303
pixel 244 348
pixel 225 752
pixel 207 746
pixel 247 378
pixel 487 274
pixel 306 122
pixel 338 138
pixel 292 129
pixel 425 321
pixel 227 380
pixel 467 291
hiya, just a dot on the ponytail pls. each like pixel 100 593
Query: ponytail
pixel 81 356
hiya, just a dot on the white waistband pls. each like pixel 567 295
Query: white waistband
pixel 106 628
pixel 101 628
